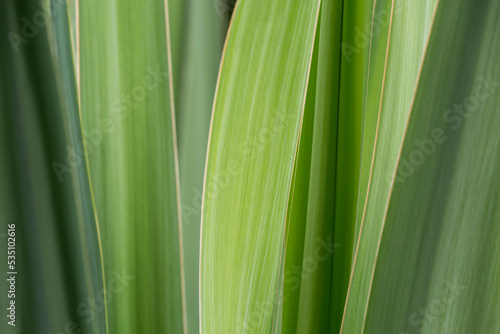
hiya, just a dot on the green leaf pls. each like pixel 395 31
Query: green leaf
pixel 364 51
pixel 297 208
pixel 201 59
pixel 178 10
pixel 314 306
pixel 352 76
pixel 408 33
pixel 252 147
pixel 436 268
pixel 44 192
pixel 129 126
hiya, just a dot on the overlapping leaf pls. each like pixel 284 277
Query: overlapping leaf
pixel 436 269
pixel 203 45
pixel 45 191
pixel 253 142
pixel 127 109
pixel 408 33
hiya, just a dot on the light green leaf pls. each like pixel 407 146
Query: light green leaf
pixel 252 147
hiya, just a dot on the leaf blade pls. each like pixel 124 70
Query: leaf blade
pixel 295 45
pixel 128 113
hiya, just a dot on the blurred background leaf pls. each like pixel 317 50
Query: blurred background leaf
pixel 353 152
pixel 129 124
pixel 45 191
pixel 203 40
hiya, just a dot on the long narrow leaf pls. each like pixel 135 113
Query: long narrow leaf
pixel 252 146
pixel 437 267
pixel 129 127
